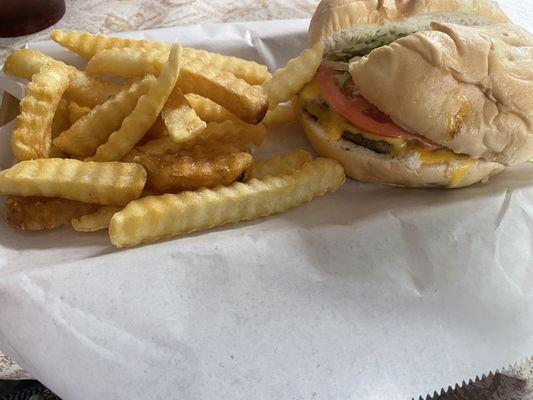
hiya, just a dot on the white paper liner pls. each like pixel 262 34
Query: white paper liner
pixel 371 292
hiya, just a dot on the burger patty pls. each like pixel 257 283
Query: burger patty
pixel 380 147
pixel 377 146
pixel 312 117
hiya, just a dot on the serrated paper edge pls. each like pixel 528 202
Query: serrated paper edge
pixel 510 370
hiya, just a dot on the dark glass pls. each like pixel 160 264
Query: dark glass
pixel 21 17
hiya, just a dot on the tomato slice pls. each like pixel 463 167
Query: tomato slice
pixel 361 113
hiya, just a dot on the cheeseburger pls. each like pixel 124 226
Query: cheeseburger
pixel 420 93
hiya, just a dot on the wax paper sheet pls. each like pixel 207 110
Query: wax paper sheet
pixel 368 293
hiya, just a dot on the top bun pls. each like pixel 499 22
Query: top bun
pixel 337 15
pixel 479 78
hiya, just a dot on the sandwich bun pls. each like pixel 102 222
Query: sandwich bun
pixel 454 71
pixel 333 16
pixel 367 166
pixel 469 89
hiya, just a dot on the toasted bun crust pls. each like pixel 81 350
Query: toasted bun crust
pixel 480 79
pixel 336 15
pixel 366 166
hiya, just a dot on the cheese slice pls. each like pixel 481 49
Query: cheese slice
pixel 335 125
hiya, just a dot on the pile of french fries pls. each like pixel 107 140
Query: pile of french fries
pixel 166 152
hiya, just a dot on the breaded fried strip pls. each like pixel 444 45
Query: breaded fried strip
pixel 173 173
pixel 39 213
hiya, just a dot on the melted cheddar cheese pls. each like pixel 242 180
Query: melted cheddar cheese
pixel 335 125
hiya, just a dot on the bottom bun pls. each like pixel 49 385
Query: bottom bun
pixel 367 166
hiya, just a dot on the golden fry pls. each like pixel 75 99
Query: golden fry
pixel 299 71
pixel 135 125
pixel 32 137
pixel 162 145
pixel 127 62
pixel 281 114
pixel 95 221
pixel 282 165
pixel 208 110
pixel 251 72
pixel 173 173
pixel 76 112
pixel 235 131
pixel 94 129
pixel 39 213
pixel 152 218
pixel 107 183
pixel 88 46
pixel 247 102
pixel 83 89
pixel 180 118
pixel 61 121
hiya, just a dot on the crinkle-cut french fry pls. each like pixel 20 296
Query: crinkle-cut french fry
pixel 172 173
pixel 83 89
pixel 89 91
pixel 87 46
pixel 251 72
pixel 180 118
pixel 247 102
pixel 32 137
pixel 152 218
pixel 106 183
pixel 61 121
pixel 135 125
pixel 235 131
pixel 162 145
pixel 95 221
pixel 282 165
pixel 299 71
pixel 281 114
pixel 208 110
pixel 127 62
pixel 75 112
pixel 39 213
pixel 83 138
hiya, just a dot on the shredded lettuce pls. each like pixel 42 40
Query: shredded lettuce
pixel 364 44
pixel 362 39
pixel 342 78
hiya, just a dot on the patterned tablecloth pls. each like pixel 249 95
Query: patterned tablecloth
pixel 107 16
